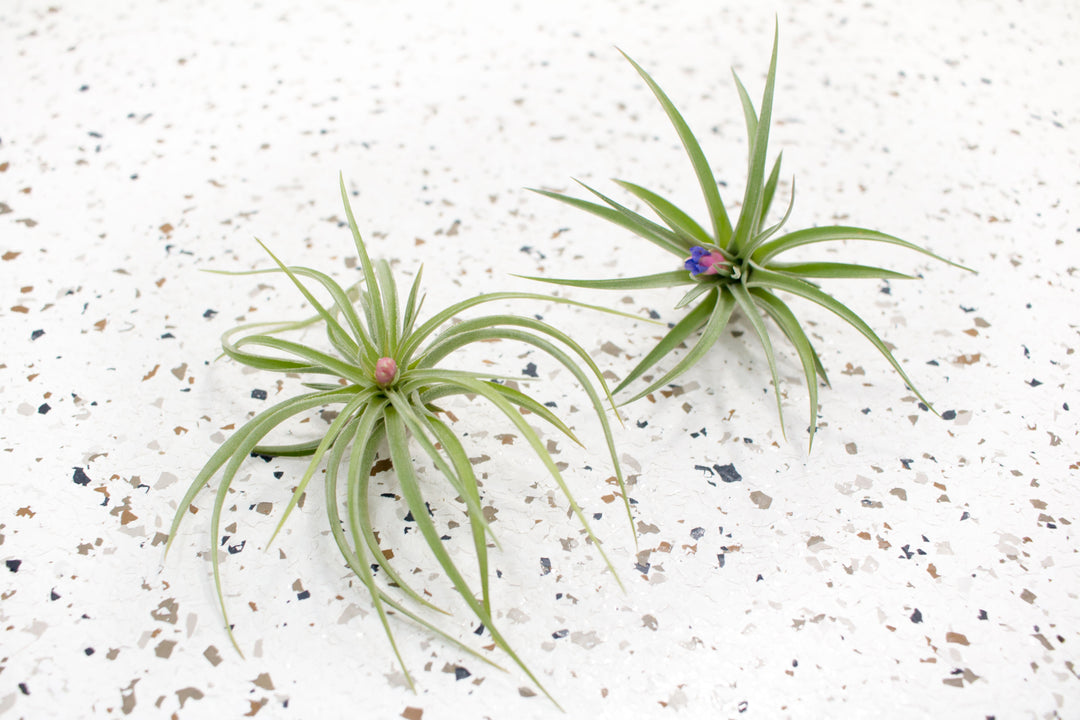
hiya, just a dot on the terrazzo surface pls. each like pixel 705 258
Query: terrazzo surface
pixel 911 565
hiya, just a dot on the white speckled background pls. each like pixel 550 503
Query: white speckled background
pixel 912 566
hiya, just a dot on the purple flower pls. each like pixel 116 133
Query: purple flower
pixel 385 371
pixel 704 262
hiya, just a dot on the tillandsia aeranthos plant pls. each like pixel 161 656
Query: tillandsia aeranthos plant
pixel 387 379
pixel 736 266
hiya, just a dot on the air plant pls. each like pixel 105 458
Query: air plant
pixel 384 373
pixel 736 266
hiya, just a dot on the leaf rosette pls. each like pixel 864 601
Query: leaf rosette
pixel 736 266
pixel 384 372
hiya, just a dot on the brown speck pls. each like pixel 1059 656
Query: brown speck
pixel 968 359
pixel 179 372
pixel 264 681
pixel 526 692
pixel 650 622
pixel 166 611
pixel 151 374
pixel 20 309
pixel 1028 596
pixel 851 448
pixel 164 648
pixel 188 693
pixel 212 655
pixel 166 228
pixel 180 430
pixel 506 438
pixel 11 255
pixel 264 508
pixel 611 348
pixel 27 222
pixel 100 324
pixel 900 493
pixel 760 499
pixel 25 512
pixel 411 713
pixel 256 706
pixel 958 638
pixel 932 570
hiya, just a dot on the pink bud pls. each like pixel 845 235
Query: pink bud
pixel 713 263
pixel 385 371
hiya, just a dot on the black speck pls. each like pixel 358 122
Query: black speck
pixel 167 336
pixel 545 565
pixel 530 370
pixel 209 313
pixel 697 533
pixel 916 617
pixel 1065 406
pixel 906 462
pixel 559 634
pixel 281 473
pixel 653 315
pixel 983 615
pixel 264 458
pixel 53 595
pixel 551 404
pixel 409 517
pixel 1034 383
pixel 642 568
pixel 303 595
pixel 968 309
pixel 597 516
pixel 43 408
pixel 727 473
pixel 948 415
pixel 36 334
pixel 233 549
pixel 479 630
pixel 89 651
pixel 80 477
pixel 642 423
pixel 25 690
pixel 935 363
pixel 743 706
pixel 866 411
pixel 965 516
pixel 13 565
pixel 461 673
pixel 922 406
pixel 720 559
pixel 759 578
pixel 258 394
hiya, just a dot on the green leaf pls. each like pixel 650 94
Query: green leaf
pixel 671 278
pixel 373 307
pixel 769 250
pixel 682 224
pixel 410 490
pixel 718 319
pixel 693 321
pixel 764 278
pixel 721 223
pixel 837 270
pixel 694 293
pixel 770 190
pixel 753 198
pixel 746 304
pixel 617 217
pixel 783 317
